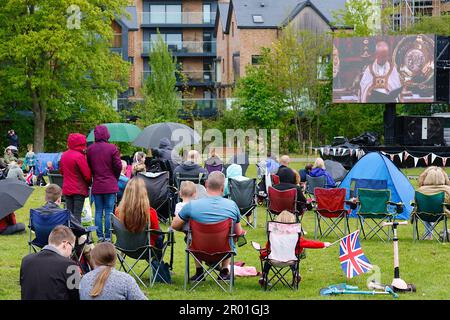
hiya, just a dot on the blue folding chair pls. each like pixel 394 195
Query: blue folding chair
pixel 42 224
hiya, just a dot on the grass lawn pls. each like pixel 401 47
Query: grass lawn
pixel 423 263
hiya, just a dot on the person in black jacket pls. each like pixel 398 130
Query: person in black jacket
pixel 13 138
pixel 288 181
pixel 50 274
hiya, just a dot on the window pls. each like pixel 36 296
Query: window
pixel 131 60
pixel 256 59
pixel 258 18
pixel 173 40
pixel 207 13
pixel 130 92
pixel 160 13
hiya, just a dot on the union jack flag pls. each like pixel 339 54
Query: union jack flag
pixel 29 178
pixel 353 260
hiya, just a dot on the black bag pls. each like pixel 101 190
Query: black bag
pixel 163 275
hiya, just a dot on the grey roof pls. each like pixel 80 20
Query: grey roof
pixel 274 12
pixel 327 7
pixel 130 20
pixel 277 12
pixel 223 13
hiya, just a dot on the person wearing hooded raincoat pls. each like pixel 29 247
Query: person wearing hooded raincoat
pixel 76 174
pixel 105 163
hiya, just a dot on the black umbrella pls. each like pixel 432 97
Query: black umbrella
pixel 179 134
pixel 13 195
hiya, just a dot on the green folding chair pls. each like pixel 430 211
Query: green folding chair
pixel 429 209
pixel 374 210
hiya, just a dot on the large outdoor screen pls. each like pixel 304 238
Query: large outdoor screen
pixel 387 69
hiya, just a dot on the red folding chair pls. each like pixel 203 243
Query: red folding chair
pixel 275 179
pixel 280 200
pixel 330 208
pixel 210 243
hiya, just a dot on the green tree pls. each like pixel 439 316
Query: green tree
pixel 260 99
pixel 161 102
pixel 55 58
pixel 293 66
pixel 359 15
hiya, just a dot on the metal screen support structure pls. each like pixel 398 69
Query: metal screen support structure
pixel 390 111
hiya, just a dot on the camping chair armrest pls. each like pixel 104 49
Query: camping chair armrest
pixel 353 204
pixel 159 232
pixel 173 188
pixel 398 206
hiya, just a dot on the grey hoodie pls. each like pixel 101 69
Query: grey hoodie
pixel 15 172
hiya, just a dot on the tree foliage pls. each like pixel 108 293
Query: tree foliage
pixel 261 101
pixel 55 59
pixel 360 15
pixel 161 102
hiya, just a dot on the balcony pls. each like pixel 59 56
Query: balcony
pixel 194 77
pixel 185 48
pixel 174 19
pixel 201 108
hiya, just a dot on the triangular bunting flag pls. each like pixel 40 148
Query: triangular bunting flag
pixel 351 152
pixel 400 155
pixel 406 155
pixel 334 151
pixel 444 161
pixel 425 159
pixel 433 157
pixel 392 157
pixel 321 151
pixel 415 161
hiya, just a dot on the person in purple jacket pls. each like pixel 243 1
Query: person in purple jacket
pixel 106 165
pixel 319 170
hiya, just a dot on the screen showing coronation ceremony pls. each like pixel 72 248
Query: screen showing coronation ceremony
pixel 384 69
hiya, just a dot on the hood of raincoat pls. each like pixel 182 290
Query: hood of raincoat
pixel 101 133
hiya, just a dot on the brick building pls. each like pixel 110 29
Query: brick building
pixel 244 27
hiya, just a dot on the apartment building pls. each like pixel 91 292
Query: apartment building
pixel 406 12
pixel 187 26
pixel 243 27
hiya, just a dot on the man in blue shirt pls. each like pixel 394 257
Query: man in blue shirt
pixel 212 209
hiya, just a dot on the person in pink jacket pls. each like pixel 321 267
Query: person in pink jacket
pixel 106 166
pixel 76 174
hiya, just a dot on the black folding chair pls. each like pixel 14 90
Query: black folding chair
pixel 196 179
pixel 314 182
pixel 243 192
pixel 138 246
pixel 159 193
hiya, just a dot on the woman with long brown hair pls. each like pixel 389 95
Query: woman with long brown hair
pixel 134 209
pixel 105 282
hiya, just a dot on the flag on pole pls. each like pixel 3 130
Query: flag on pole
pixel 29 178
pixel 353 260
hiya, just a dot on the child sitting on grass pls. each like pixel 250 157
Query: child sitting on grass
pixel 287 217
pixel 188 192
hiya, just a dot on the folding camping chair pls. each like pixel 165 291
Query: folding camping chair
pixel 314 182
pixel 199 179
pixel 330 208
pixel 212 244
pixel 375 207
pixel 281 200
pixel 211 168
pixel 275 179
pixel 283 256
pixel 431 209
pixel 43 224
pixel 243 192
pixel 160 193
pixel 137 246
pixel 57 178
